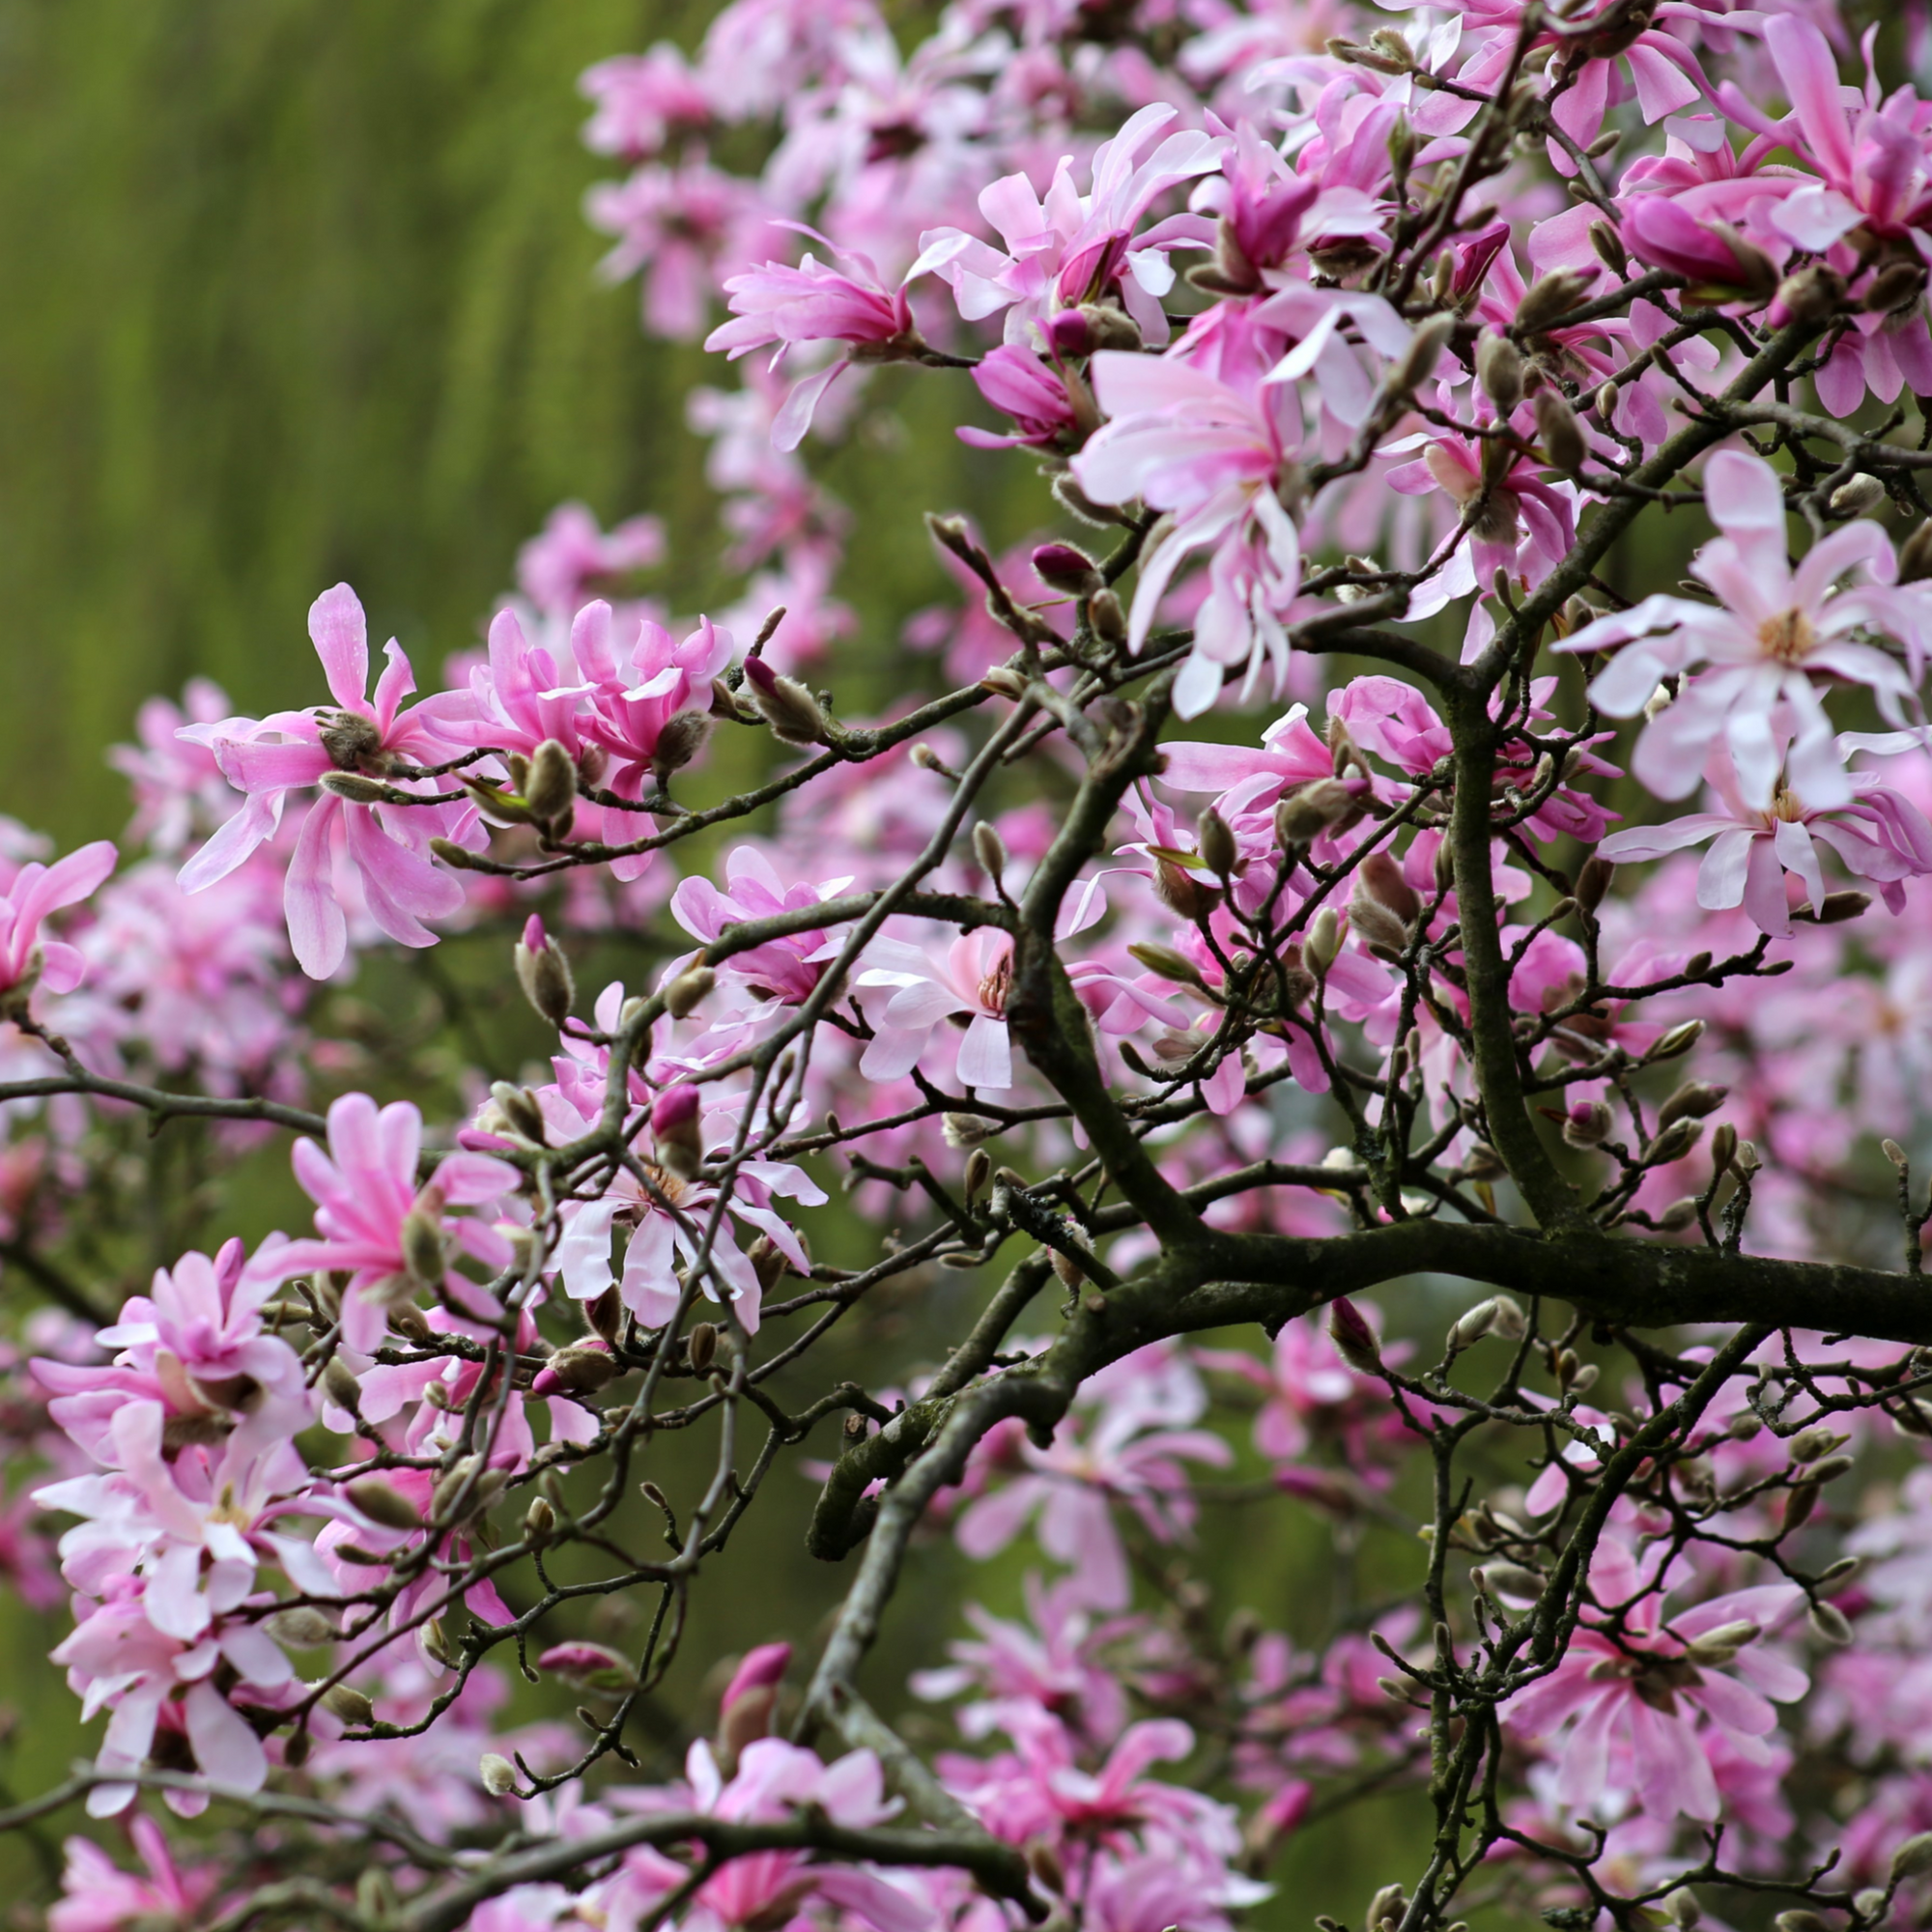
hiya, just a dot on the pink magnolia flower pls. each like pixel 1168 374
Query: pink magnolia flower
pixel 26 959
pixel 1017 382
pixel 1072 248
pixel 767 1892
pixel 776 306
pixel 639 101
pixel 1773 631
pixel 572 551
pixel 116 1657
pixel 386 845
pixel 1879 835
pixel 373 1220
pixel 679 226
pixel 98 1896
pixel 1181 439
pixel 972 977
pixel 785 969
pixel 1634 1714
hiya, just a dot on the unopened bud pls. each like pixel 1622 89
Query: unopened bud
pixel 1717 1647
pixel 990 850
pixel 1797 1920
pixel 340 1386
pixel 795 716
pixel 1673 1143
pixel 498 1774
pixel 1469 1327
pixel 1181 892
pixel 519 1110
pixel 1324 939
pixel 1353 1339
pixel 682 738
pixel 1831 1622
pixel 1305 814
pixel 1838 908
pixel 539 1522
pixel 582 1369
pixel 700 1346
pixel 1549 298
pixel 544 973
pixel 1915 555
pixel 978 1172
pixel 1588 1125
pixel 382 1502
pixel 550 788
pixel 967 1130
pixel 1913 1858
pixel 421 1241
pixel 355 787
pixel 1214 840
pixel 1167 962
pixel 1724 1148
pixel 1680 1214
pixel 689 991
pixel 348 1704
pixel 301 1626
pixel 1425 351
pixel 1070 571
pixel 1799 1504
pixel 1681 1038
pixel 1561 433
pixel 676 1131
pixel 1858 495
pixel 1108 619
pixel 1898 286
pixel 1691 1102
pixel 1499 370
pixel 1609 248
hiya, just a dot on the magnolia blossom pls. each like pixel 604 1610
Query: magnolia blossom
pixel 1772 632
pixel 377 1222
pixel 386 846
pixel 1877 834
pixel 26 959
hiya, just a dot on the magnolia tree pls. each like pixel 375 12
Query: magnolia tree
pixel 1355 371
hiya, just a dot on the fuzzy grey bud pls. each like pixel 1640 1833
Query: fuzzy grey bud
pixel 382 1502
pixel 689 991
pixel 1549 298
pixel 498 1774
pixel 551 789
pixel 1561 433
pixel 680 741
pixel 1499 370
pixel 1858 495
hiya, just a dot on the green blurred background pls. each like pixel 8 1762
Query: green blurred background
pixel 298 291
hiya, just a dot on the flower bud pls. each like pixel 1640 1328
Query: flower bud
pixel 1724 1148
pixel 1858 495
pixel 1070 571
pixel 301 1625
pixel 1678 1215
pixel 1839 907
pixel 745 1711
pixel 1390 1903
pixel 1181 892
pixel 1499 370
pixel 1376 927
pixel 544 973
pixel 590 1666
pixel 382 1502
pixel 1691 1102
pixel 676 1132
pixel 689 991
pixel 1681 1038
pixel 1831 1622
pixel 1717 1647
pixel 968 1130
pixel 1214 840
pixel 990 850
pixel 1108 619
pixel 1799 1503
pixel 1561 433
pixel 1897 1154
pixel 1324 939
pixel 582 1369
pixel 1797 1920
pixel 551 789
pixel 355 787
pixel 421 1240
pixel 1424 353
pixel 795 716
pixel 498 1774
pixel 682 738
pixel 1915 555
pixel 1673 1143
pixel 700 1346
pixel 978 1172
pixel 1471 1326
pixel 1812 296
pixel 1167 962
pixel 1588 1125
pixel 1353 1339
pixel 1898 286
pixel 349 1705
pixel 1913 1858
pixel 1380 878
pixel 1610 248
pixel 1309 810
pixel 539 1522
pixel 340 1386
pixel 1549 298
pixel 519 1110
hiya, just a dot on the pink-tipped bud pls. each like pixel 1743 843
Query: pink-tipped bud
pixel 745 1711
pixel 1070 571
pixel 1353 1339
pixel 589 1667
pixel 544 973
pixel 582 1369
pixel 675 1130
pixel 794 715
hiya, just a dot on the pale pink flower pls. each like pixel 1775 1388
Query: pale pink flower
pixel 639 101
pixel 573 551
pixel 366 1190
pixel 971 976
pixel 386 845
pixel 27 960
pixel 98 1896
pixel 1772 631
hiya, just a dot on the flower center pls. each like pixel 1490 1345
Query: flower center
pixel 1788 638
pixel 996 986
pixel 1787 806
